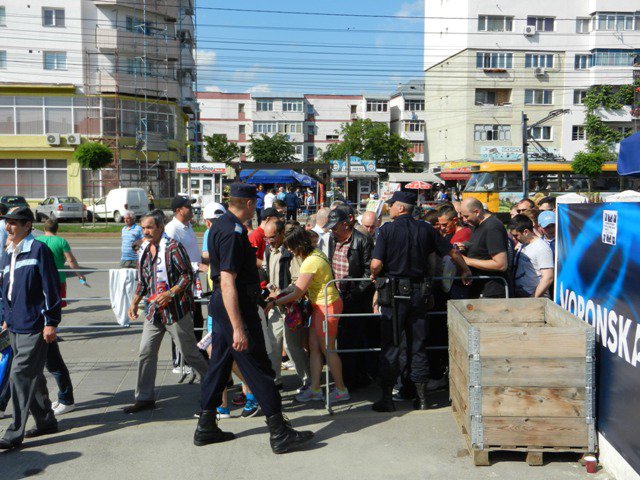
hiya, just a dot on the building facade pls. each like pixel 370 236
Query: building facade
pixel 486 64
pixel 116 71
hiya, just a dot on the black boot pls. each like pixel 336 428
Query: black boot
pixel 385 404
pixel 283 437
pixel 420 403
pixel 207 430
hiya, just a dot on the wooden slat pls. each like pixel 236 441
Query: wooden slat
pixel 550 432
pixel 533 372
pixel 457 326
pixel 533 402
pixel 501 311
pixel 558 317
pixel 532 342
pixel 459 393
pixel 458 354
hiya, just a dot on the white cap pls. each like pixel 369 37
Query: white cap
pixel 213 210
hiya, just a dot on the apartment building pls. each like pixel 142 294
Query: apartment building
pixel 311 121
pixel 116 71
pixel 486 63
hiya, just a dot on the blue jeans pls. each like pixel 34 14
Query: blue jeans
pixel 56 367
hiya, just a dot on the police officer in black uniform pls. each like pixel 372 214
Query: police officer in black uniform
pixel 237 333
pixel 400 263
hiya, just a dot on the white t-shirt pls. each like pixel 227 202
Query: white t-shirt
pixel 185 235
pixel 268 200
pixel 530 260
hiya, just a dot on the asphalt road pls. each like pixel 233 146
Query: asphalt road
pixel 99 441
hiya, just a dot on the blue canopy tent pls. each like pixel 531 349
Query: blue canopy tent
pixel 276 176
pixel 629 156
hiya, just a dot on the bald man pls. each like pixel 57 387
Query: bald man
pixel 370 222
pixel 488 249
pixel 322 217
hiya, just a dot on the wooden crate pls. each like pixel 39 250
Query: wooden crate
pixel 521 377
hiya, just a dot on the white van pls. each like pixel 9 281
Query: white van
pixel 117 201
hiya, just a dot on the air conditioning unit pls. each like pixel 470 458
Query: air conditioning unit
pixel 539 71
pixel 529 30
pixel 53 139
pixel 73 139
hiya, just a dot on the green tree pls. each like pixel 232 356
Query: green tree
pixel 219 149
pixel 590 164
pixel 371 140
pixel 94 156
pixel 272 149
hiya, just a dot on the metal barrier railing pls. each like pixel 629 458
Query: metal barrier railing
pixel 373 314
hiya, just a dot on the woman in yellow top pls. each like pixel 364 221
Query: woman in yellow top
pixel 315 272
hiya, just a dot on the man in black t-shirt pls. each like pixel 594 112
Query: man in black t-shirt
pixel 488 250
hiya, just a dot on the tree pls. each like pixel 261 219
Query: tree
pixel 220 149
pixel 94 156
pixel 367 139
pixel 590 164
pixel 272 149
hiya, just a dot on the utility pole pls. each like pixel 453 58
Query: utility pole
pixel 525 156
pixel 189 170
pixel 346 183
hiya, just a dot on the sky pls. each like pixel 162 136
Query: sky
pixel 341 52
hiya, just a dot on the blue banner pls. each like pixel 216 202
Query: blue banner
pixel 598 278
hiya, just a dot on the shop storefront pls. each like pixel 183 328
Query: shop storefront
pixel 363 179
pixel 203 181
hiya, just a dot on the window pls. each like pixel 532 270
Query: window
pixel 541 133
pixel 485 97
pixel 333 137
pixel 417 147
pixel 58 115
pixel 414 126
pixel 483 133
pixel 311 130
pixel 298 149
pixel 292 106
pixel 616 58
pixel 241 108
pixel 542 24
pixel 35 178
pixel 354 109
pixel 498 60
pixel 578 132
pixel 616 21
pixel 53 17
pixel 582 25
pixel 290 127
pixel 3 59
pixel 243 149
pixel 376 106
pixel 579 96
pixel 495 23
pixel 136 24
pixel 582 62
pixel 3 17
pixel 242 129
pixel 55 60
pixel 264 105
pixel 310 151
pixel 265 127
pixel 414 105
pixel 533 60
pixel 538 97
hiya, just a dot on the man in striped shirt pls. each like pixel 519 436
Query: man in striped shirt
pixel 166 282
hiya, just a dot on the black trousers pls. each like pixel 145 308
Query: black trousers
pixel 413 334
pixel 292 215
pixel 254 363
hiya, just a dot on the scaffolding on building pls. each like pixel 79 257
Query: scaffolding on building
pixel 149 70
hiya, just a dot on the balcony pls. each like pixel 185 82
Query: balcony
pixel 617 116
pixel 109 40
pixel 160 7
pixel 104 81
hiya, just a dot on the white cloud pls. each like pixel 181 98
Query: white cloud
pixel 212 88
pixel 411 9
pixel 261 88
pixel 206 58
pixel 250 74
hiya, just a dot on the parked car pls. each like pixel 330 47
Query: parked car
pixel 61 208
pixel 13 201
pixel 117 201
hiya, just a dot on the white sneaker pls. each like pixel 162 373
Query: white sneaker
pixel 337 395
pixel 177 371
pixel 310 395
pixel 55 404
pixel 288 365
pixel 61 409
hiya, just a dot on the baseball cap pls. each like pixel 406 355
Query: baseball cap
pixel 270 212
pixel 181 201
pixel 243 190
pixel 213 210
pixel 546 218
pixel 19 213
pixel 404 197
pixel 337 216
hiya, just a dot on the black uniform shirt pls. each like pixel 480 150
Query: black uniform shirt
pixel 404 245
pixel 230 250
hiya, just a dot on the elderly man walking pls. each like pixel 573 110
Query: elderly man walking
pixel 131 232
pixel 165 281
pixel 31 311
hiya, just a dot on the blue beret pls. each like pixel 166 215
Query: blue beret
pixel 243 190
pixel 404 197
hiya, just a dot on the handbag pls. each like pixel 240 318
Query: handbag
pixel 293 317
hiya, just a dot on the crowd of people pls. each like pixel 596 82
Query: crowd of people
pixel 283 295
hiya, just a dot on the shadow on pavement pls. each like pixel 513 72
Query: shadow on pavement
pixel 18 464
